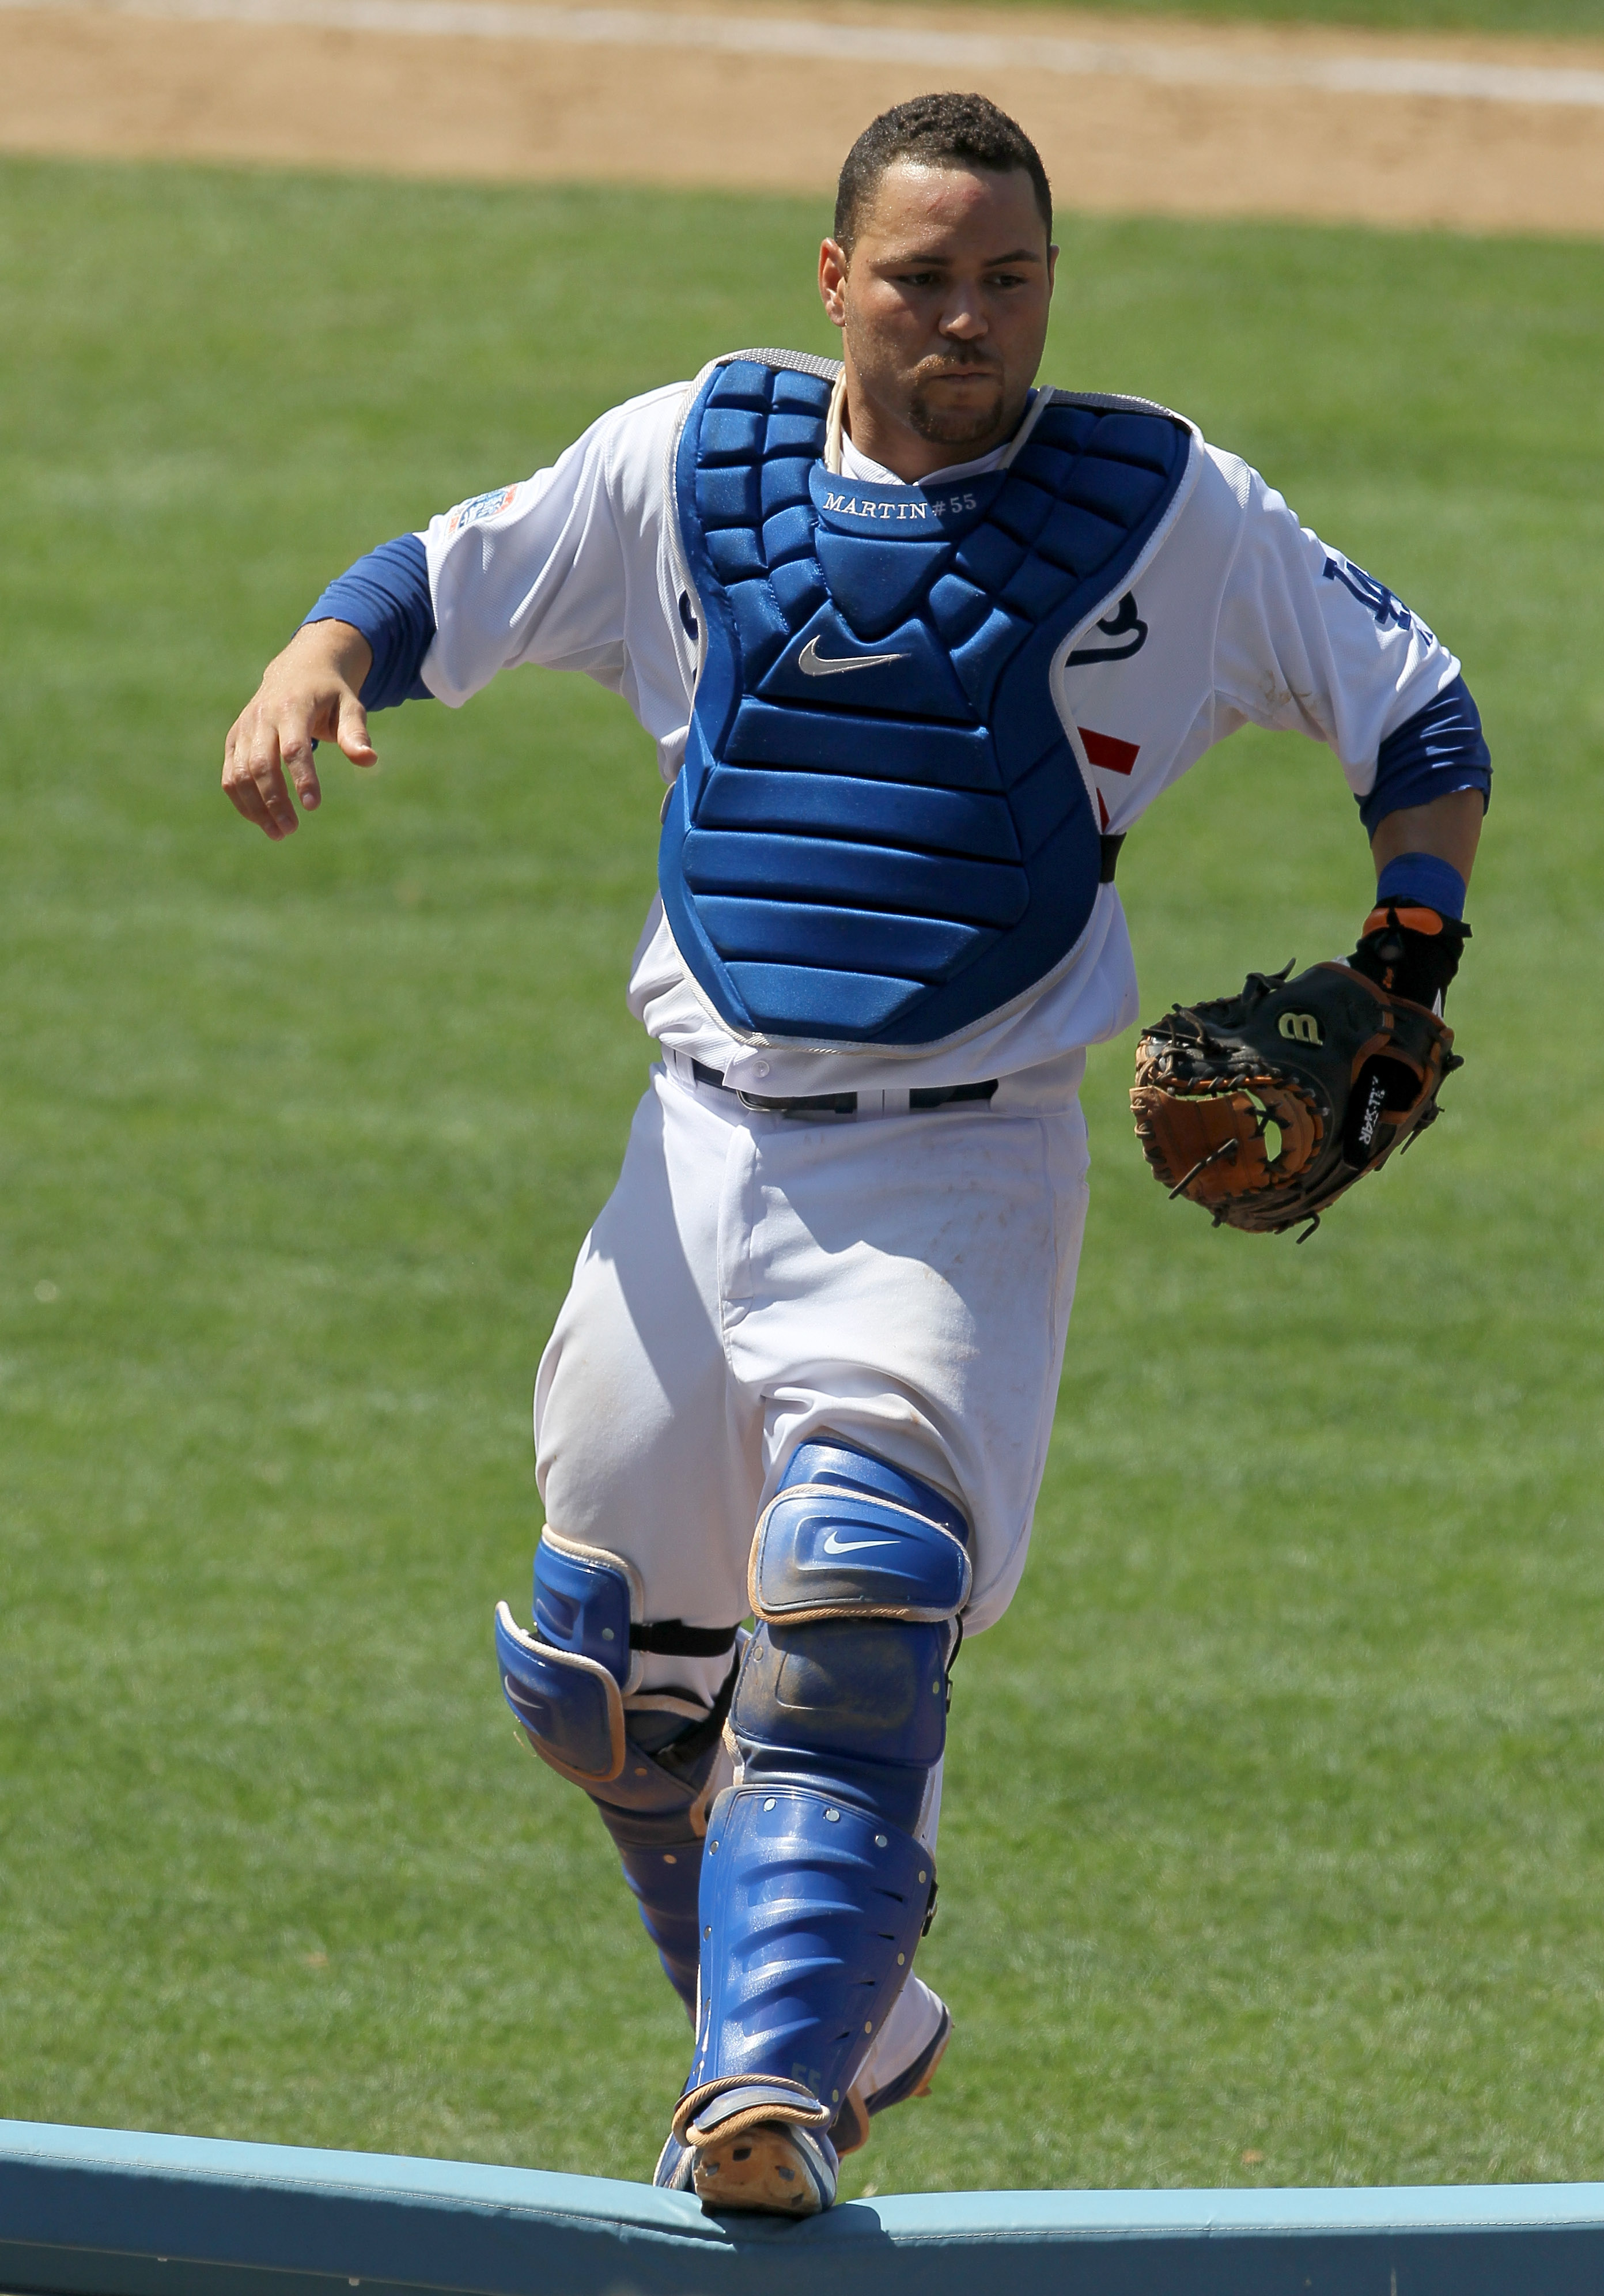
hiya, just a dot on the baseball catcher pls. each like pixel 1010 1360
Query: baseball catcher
pixel 918 640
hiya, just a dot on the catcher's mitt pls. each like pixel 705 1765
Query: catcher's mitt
pixel 1345 1072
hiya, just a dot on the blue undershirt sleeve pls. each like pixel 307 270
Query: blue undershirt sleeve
pixel 386 596
pixel 1439 750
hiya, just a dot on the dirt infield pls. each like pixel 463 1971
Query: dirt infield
pixel 1143 129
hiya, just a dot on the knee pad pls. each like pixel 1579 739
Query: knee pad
pixel 816 1889
pixel 567 1681
pixel 566 1684
pixel 857 1574
pixel 845 1536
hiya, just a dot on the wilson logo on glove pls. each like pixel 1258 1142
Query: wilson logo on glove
pixel 1338 1069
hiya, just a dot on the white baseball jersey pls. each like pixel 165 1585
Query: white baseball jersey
pixel 1234 615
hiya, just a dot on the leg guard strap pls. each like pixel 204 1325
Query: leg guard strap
pixel 730 2106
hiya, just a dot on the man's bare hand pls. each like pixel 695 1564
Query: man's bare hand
pixel 309 693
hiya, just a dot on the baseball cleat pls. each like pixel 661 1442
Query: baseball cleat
pixel 774 2167
pixel 755 2146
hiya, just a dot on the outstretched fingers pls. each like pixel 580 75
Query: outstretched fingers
pixel 253 769
pixel 293 729
pixel 311 693
pixel 259 795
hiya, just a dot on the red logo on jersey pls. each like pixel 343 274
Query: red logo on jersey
pixel 1104 749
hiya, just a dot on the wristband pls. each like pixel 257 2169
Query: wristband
pixel 1422 880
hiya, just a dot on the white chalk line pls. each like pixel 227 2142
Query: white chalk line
pixel 1176 64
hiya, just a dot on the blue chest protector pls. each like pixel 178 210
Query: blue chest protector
pixel 880 834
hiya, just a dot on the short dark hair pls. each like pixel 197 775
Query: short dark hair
pixel 942 131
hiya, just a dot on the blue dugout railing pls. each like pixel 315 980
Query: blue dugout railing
pixel 107 2212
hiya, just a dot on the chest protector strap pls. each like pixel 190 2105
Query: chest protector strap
pixel 880 834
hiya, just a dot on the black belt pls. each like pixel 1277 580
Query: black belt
pixel 1111 857
pixel 842 1103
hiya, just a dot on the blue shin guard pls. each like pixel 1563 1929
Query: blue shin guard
pixel 816 1889
pixel 648 1772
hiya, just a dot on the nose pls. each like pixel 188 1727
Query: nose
pixel 962 319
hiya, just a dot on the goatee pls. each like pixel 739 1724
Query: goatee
pixel 951 426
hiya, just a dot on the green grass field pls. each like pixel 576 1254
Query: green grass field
pixel 1273 1822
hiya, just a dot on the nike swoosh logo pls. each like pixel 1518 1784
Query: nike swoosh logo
pixel 811 663
pixel 833 1544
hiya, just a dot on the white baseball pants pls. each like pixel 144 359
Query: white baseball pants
pixel 900 1280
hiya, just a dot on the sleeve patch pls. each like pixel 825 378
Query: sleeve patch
pixel 482 506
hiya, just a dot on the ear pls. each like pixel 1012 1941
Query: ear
pixel 832 280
